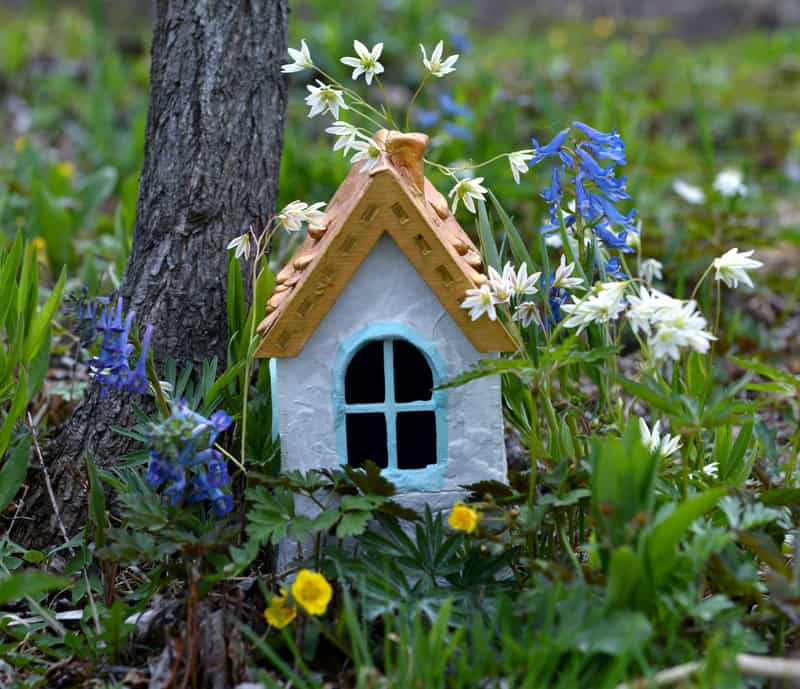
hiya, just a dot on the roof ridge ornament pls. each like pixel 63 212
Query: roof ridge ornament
pixel 406 153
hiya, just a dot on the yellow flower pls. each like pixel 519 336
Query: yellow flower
pixel 463 518
pixel 312 592
pixel 280 612
pixel 66 169
pixel 20 143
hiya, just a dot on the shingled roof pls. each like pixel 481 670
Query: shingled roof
pixel 394 197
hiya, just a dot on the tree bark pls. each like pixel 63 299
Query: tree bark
pixel 212 154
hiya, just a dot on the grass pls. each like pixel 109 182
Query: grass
pixel 600 562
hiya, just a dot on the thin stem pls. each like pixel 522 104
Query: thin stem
pixel 700 281
pixel 413 98
pixel 387 108
pixel 261 245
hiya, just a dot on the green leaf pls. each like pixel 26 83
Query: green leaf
pixel 235 302
pixel 13 472
pixel 663 539
pixel 9 267
pixel 41 323
pixel 769 372
pixel 735 467
pixel 656 398
pixel 618 634
pixel 369 480
pixel 622 483
pixel 491 367
pixel 518 249
pixel 488 245
pixel 15 412
pixel 95 189
pixel 28 584
pixel 97 503
pixel 625 573
pixel 325 520
pixel 353 523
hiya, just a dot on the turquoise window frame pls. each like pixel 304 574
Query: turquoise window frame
pixel 429 478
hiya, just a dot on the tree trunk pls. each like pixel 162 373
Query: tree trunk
pixel 212 154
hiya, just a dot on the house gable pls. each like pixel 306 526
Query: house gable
pixel 367 205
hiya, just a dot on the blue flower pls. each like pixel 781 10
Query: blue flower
pixel 183 458
pixel 158 472
pixel 613 269
pixel 605 146
pixel 611 239
pixel 553 148
pixel 449 107
pixel 460 42
pixel 218 475
pixel 426 118
pixel 220 420
pixel 552 195
pixel 177 486
pixel 222 504
pixel 111 366
pixel 457 131
pixel 137 381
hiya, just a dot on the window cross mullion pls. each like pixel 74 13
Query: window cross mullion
pixel 391 410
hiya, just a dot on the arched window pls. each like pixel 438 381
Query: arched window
pixel 387 410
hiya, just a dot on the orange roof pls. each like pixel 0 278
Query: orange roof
pixel 394 197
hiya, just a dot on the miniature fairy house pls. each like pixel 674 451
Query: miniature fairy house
pixel 366 321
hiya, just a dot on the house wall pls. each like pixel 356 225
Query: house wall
pixel 387 289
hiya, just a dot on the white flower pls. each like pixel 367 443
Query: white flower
pixel 302 59
pixel 368 151
pixel 480 301
pixel 563 275
pixel 730 182
pixel 435 65
pixel 292 217
pixel 367 61
pixel 645 307
pixel 732 267
pixel 650 269
pixel 468 190
pixel 678 325
pixel 502 285
pixel 604 304
pixel 665 445
pixel 711 469
pixel 525 313
pixel 346 135
pixel 521 283
pixel 324 98
pixel 518 160
pixel 688 192
pixel 242 246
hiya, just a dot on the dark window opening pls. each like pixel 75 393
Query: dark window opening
pixel 416 439
pixel 364 379
pixel 413 378
pixel 366 440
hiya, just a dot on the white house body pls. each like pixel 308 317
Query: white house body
pixel 387 301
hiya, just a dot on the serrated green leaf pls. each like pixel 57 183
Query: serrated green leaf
pixel 353 523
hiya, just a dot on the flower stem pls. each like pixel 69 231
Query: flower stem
pixel 413 98
pixel 386 107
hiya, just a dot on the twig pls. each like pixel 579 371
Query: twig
pixel 757 666
pixel 20 505
pixel 48 484
pixel 54 504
